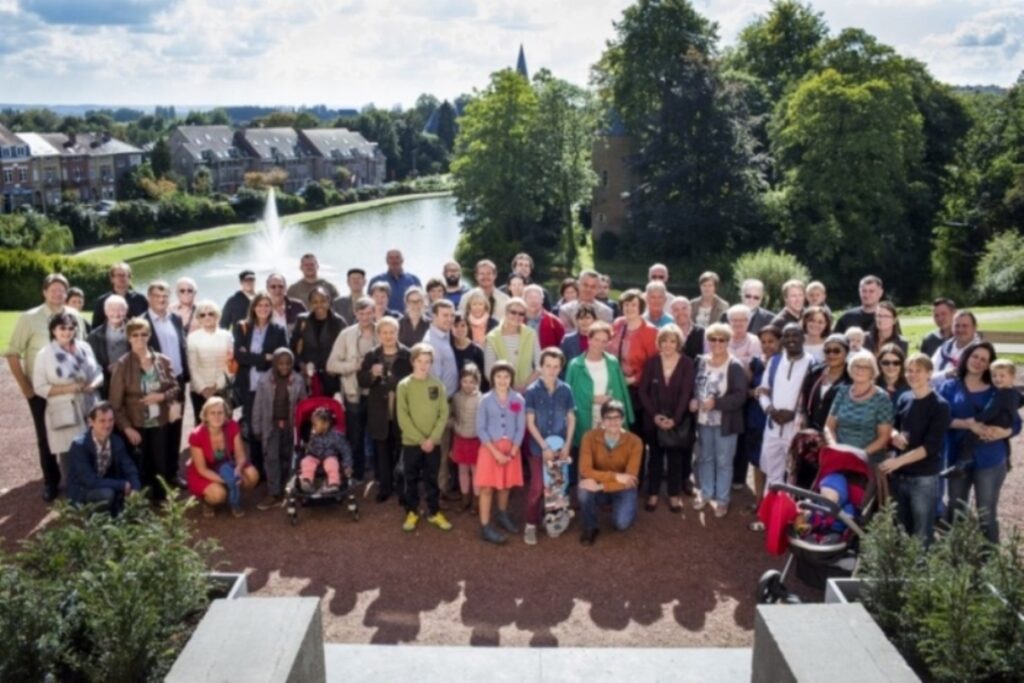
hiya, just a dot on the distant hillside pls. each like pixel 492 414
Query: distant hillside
pixel 237 114
pixel 980 89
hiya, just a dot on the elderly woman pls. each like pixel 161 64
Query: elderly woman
pixel 922 419
pixel 478 316
pixel 209 350
pixel 414 324
pixel 215 446
pixel 708 307
pixel 67 375
pixel 967 395
pixel 500 426
pixel 665 392
pixel 313 338
pixel 720 395
pixel 693 335
pixel 744 346
pixel 861 414
pixel 109 341
pixel 146 400
pixel 634 339
pixel 891 376
pixel 516 343
pixel 184 304
pixel 817 325
pixel 381 371
pixel 887 330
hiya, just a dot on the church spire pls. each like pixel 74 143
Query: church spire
pixel 521 63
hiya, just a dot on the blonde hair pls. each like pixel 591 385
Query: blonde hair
pixel 136 324
pixel 719 329
pixel 1004 364
pixel 213 402
pixel 670 330
pixel 475 295
pixel 922 361
pixel 863 358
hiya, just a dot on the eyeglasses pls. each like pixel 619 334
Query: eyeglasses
pixel 833 351
pixel 186 291
pixel 717 340
pixel 206 314
pixel 516 312
pixel 890 363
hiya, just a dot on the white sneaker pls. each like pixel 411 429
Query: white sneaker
pixel 699 503
pixel 530 535
pixel 721 509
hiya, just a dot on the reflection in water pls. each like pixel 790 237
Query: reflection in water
pixel 426 231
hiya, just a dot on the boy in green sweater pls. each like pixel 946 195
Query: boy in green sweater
pixel 422 408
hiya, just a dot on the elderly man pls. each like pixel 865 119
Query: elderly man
pixel 170 339
pixel 752 292
pixel 286 311
pixel 659 272
pixel 486 273
pixel 589 283
pixel 863 316
pixel 347 354
pixel 454 290
pixel 311 279
pixel 237 306
pixel 397 279
pixel 693 335
pixel 656 297
pixel 356 280
pixel 100 469
pixel 120 275
pixel 32 333
pixel 943 311
pixel 548 327
pixel 109 341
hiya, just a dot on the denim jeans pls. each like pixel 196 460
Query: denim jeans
pixel 987 484
pixel 916 498
pixel 623 507
pixel 714 466
pixel 232 482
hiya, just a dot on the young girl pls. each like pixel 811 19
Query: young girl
pixel 465 444
pixel 326 446
pixel 500 426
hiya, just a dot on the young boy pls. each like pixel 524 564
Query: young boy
pixel 422 408
pixel 998 412
pixel 277 394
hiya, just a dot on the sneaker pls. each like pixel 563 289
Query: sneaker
pixel 699 503
pixel 530 535
pixel 237 512
pixel 269 503
pixel 492 535
pixel 721 509
pixel 440 521
pixel 410 522
pixel 330 489
pixel 738 486
pixel 505 522
pixel 306 485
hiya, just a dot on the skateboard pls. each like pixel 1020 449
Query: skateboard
pixel 557 513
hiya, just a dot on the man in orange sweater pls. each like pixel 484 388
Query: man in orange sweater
pixel 609 462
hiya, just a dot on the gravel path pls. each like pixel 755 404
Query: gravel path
pixel 673 580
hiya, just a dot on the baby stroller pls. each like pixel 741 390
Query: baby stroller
pixel 294 495
pixel 826 545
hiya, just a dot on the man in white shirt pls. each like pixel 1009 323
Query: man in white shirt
pixel 486 274
pixel 779 396
pixel 589 284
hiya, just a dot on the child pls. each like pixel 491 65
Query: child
pixel 816 296
pixel 277 394
pixel 998 412
pixel 836 489
pixel 465 445
pixel 855 336
pixel 325 446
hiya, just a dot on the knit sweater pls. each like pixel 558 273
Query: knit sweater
pixel 422 409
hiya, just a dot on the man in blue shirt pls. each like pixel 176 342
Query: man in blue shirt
pixel 397 279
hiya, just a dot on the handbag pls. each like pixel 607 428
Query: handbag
pixel 678 437
pixel 63 413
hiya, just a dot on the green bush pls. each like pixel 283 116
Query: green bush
pixel 1000 275
pixel 771 267
pixel 92 598
pixel 135 218
pixel 24 271
pixel 35 231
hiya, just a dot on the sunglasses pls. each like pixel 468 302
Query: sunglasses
pixel 717 340
pixel 890 363
pixel 517 313
pixel 833 351
pixel 206 314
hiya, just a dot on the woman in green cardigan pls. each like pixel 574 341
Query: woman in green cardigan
pixel 596 378
pixel 516 343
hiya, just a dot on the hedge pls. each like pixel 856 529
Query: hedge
pixel 24 271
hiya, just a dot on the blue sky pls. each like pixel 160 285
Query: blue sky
pixel 348 53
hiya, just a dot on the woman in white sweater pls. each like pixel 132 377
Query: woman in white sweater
pixel 209 350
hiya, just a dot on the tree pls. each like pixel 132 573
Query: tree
pixel 160 158
pixel 306 120
pixel 377 125
pixel 446 126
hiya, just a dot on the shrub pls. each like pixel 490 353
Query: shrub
pixel 135 218
pixel 24 271
pixel 1000 274
pixel 771 267
pixel 35 231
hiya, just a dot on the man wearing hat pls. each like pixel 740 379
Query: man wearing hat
pixel 237 307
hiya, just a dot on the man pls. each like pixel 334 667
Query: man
pixel 522 264
pixel 120 275
pixel 109 341
pixel 659 272
pixel 693 335
pixel 589 281
pixel 356 280
pixel 752 292
pixel 609 464
pixel 548 327
pixel 397 279
pixel 576 343
pixel 100 470
pixel 656 297
pixel 779 396
pixel 943 311
pixel 347 354
pixel 946 358
pixel 286 311
pixel 863 316
pixel 237 306
pixel 311 279
pixel 380 293
pixel 170 339
pixel 446 368
pixel 604 290
pixel 485 274
pixel 453 287
pixel 794 300
pixel 32 333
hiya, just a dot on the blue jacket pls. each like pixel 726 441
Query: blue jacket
pixel 82 465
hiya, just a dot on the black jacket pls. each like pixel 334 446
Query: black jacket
pixel 310 347
pixel 137 305
pixel 235 308
pixel 249 358
pixel 378 410
pixel 179 329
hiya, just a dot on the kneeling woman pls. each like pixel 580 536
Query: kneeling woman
pixel 500 426
pixel 218 469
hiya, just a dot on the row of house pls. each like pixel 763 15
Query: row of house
pixel 36 169
pixel 305 155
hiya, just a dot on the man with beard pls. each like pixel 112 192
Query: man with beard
pixel 779 396
pixel 453 287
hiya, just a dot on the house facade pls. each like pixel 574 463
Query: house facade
pixel 272 148
pixel 45 171
pixel 331 148
pixel 15 172
pixel 213 148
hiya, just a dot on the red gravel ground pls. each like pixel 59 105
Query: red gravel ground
pixel 672 580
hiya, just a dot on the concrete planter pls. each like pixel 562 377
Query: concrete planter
pixel 232 584
pixel 842 591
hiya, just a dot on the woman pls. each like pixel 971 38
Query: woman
pixel 794 299
pixel 823 381
pixel 887 330
pixel 744 346
pixel 967 395
pixel 216 441
pixel 891 378
pixel 146 399
pixel 184 305
pixel 67 375
pixel 500 426
pixel 414 324
pixel 708 308
pixel 817 325
pixel 515 285
pixel 596 378
pixel 720 395
pixel 861 414
pixel 466 351
pixel 665 392
pixel 634 342
pixel 255 340
pixel 478 316
pixel 210 348
pixel 313 338
pixel 516 343
pixel 381 371
pixel 568 291
pixel 921 421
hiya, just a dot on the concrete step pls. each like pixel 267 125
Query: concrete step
pixel 438 664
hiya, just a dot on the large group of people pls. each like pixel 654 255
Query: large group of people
pixel 470 392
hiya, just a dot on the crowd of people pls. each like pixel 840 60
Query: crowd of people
pixel 454 396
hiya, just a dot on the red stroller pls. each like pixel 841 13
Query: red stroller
pixel 295 496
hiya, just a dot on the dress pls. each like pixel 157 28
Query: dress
pixel 503 425
pixel 465 445
pixel 200 438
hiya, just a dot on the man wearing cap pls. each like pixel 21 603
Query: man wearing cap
pixel 237 306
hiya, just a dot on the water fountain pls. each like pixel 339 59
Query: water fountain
pixel 272 240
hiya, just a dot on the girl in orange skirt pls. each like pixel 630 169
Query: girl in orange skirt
pixel 465 445
pixel 500 426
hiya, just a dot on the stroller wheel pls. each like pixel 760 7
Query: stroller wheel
pixel 355 515
pixel 770 589
pixel 294 519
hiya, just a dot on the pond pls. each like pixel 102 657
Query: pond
pixel 426 230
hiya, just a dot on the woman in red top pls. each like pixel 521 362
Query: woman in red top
pixel 217 441
pixel 634 342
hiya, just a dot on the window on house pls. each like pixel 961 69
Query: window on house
pixel 23 175
pixel 8 176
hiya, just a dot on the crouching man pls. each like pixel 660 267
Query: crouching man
pixel 100 469
pixel 609 463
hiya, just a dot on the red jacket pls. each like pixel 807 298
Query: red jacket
pixel 550 331
pixel 643 345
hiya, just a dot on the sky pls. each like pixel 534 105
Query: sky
pixel 349 53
